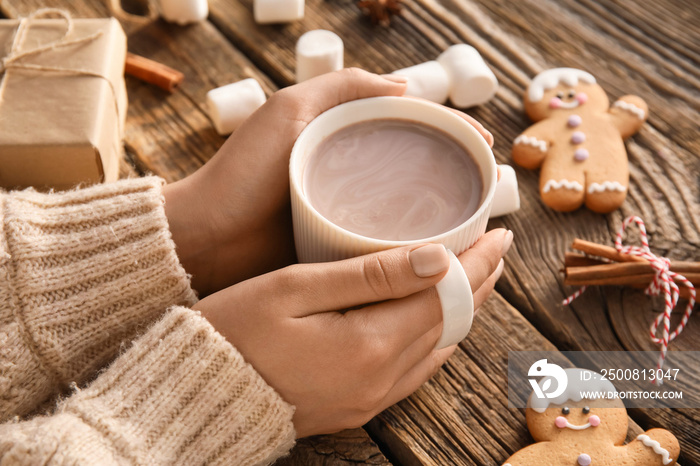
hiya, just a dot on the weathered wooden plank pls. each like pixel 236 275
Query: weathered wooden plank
pixel 664 26
pixel 344 448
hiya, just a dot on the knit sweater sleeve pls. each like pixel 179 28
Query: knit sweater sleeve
pixel 81 273
pixel 181 395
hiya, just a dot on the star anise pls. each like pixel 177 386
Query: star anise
pixel 380 11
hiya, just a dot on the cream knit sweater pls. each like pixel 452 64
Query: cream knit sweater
pixel 90 278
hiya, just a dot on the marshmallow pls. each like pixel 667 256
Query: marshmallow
pixel 230 105
pixel 277 11
pixel 506 199
pixel 318 52
pixel 184 11
pixel 472 81
pixel 428 80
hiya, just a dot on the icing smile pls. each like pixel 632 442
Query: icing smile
pixel 577 99
pixel 562 104
pixel 562 422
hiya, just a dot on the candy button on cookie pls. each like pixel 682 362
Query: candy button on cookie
pixel 581 154
pixel 574 121
pixel 578 137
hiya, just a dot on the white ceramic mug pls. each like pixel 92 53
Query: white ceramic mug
pixel 319 240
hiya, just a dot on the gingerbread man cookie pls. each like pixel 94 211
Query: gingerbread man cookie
pixel 578 140
pixel 571 430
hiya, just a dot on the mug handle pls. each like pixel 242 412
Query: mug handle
pixel 506 199
pixel 457 302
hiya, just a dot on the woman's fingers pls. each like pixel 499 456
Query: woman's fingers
pixel 486 134
pixel 401 322
pixel 321 93
pixel 482 259
pixel 411 326
pixel 417 350
pixel 338 367
pixel 482 294
pixel 420 373
pixel 391 274
pixel 421 361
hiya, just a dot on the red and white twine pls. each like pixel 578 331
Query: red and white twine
pixel 664 280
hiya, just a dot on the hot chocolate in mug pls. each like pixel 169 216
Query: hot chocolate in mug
pixel 318 239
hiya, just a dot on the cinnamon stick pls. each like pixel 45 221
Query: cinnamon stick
pixel 573 259
pixel 152 72
pixel 600 250
pixel 625 269
pixel 634 279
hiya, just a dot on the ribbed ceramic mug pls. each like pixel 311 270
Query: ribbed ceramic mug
pixel 319 240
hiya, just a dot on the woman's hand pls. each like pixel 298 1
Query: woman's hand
pixel 231 220
pixel 339 369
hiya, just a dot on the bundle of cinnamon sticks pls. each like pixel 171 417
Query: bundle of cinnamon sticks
pixel 614 268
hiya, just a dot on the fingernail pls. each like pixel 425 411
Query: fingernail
pixel 507 241
pixel 429 260
pixel 499 269
pixel 395 78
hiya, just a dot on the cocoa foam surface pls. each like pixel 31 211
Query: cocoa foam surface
pixel 394 180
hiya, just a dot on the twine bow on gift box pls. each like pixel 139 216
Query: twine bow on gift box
pixel 13 60
pixel 664 280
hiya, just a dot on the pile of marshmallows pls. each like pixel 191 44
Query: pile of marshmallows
pixel 459 73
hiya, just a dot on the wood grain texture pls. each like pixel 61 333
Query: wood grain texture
pixel 344 448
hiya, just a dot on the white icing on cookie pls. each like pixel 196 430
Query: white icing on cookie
pixel 633 109
pixel 577 427
pixel 567 105
pixel 648 442
pixel 554 184
pixel 606 186
pixel 531 141
pixel 549 79
pixel 577 385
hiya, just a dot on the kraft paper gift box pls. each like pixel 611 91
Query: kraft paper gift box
pixel 62 110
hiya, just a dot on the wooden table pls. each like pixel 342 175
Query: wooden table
pixel 646 47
